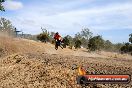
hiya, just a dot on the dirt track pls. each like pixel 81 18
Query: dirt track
pixel 30 64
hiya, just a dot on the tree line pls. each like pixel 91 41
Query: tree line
pixel 84 38
pixel 6 27
pixel 127 47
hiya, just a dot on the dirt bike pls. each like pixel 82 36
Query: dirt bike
pixel 58 43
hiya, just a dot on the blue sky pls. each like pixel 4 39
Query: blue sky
pixel 110 18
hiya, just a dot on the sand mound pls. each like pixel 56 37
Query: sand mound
pixel 10 46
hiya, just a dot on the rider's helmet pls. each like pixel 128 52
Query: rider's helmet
pixel 57 33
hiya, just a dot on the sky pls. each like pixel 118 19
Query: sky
pixel 110 18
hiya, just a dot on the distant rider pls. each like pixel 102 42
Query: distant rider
pixel 58 40
pixel 57 36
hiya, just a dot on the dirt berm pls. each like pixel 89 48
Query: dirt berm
pixel 29 64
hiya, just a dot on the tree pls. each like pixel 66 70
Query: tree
pixel 130 39
pixel 6 27
pixel 116 47
pixel 78 36
pixel 78 44
pixel 96 43
pixel 84 36
pixel 66 41
pixel 71 41
pixel 1 6
pixel 5 24
pixel 108 45
pixel 125 48
pixel 130 48
pixel 43 37
pixel 86 33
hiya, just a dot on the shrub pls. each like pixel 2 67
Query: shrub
pixel 43 37
pixel 78 44
pixel 96 43
pixel 66 42
pixel 127 48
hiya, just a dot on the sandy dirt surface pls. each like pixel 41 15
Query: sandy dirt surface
pixel 30 64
